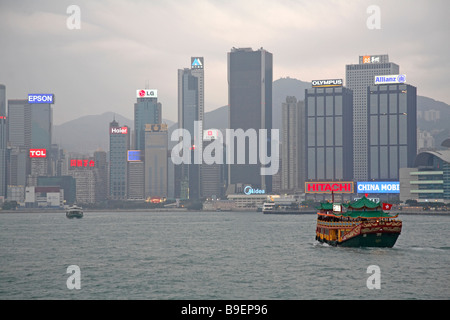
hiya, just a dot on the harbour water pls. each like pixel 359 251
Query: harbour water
pixel 213 256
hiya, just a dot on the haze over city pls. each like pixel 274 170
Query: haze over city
pixel 122 46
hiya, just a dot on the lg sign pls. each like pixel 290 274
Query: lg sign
pixel 147 93
pixel 118 130
pixel 38 153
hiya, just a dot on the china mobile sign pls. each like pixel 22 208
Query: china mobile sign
pixel 378 187
pixel 38 153
pixel 329 186
pixel 118 130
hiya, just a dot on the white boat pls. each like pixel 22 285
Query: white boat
pixel 282 206
pixel 74 212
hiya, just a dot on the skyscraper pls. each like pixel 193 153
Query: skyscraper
pixel 147 110
pixel 190 112
pixel 3 140
pixel 156 160
pixel 119 144
pixel 292 146
pixel 250 107
pixel 329 133
pixel 358 78
pixel 392 128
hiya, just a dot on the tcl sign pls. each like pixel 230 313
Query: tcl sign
pixel 38 153
pixel 118 130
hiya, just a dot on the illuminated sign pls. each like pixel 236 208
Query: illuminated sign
pixel 40 98
pixel 38 153
pixel 249 190
pixel 156 127
pixel 328 187
pixel 2 117
pixel 118 130
pixel 392 78
pixel 147 93
pixel 82 163
pixel 327 83
pixel 371 59
pixel 378 187
pixel 197 63
pixel 211 134
pixel 134 155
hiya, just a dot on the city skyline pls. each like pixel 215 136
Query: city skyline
pixel 125 46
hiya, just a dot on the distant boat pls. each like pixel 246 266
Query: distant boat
pixel 74 212
pixel 282 206
pixel 362 224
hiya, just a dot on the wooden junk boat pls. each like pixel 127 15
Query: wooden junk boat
pixel 361 223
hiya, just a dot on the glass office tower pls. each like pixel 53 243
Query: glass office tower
pixel 250 77
pixel 392 128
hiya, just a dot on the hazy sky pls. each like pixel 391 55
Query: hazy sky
pixel 124 45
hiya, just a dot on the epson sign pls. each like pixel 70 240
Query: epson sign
pixel 327 83
pixel 392 78
pixel 41 98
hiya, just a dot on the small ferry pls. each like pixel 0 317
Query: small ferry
pixel 361 223
pixel 282 206
pixel 74 212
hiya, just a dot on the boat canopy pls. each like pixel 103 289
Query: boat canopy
pixel 364 203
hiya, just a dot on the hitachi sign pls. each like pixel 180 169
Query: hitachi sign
pixel 328 187
pixel 118 130
pixel 38 153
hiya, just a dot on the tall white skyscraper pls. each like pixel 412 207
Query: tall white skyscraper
pixel 358 78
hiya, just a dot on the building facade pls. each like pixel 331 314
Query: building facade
pixel 329 134
pixel 147 110
pixel 156 161
pixel 119 144
pixel 358 78
pixel 392 130
pixel 292 145
pixel 250 77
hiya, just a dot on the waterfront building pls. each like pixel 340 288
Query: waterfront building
pixel 147 110
pixel 119 144
pixel 250 77
pixel 3 141
pixel 392 130
pixel 329 133
pixel 358 78
pixel 156 160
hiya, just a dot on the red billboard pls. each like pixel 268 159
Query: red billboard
pixel 38 153
pixel 118 130
pixel 329 186
pixel 82 163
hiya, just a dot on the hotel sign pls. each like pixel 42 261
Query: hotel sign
pixel 329 186
pixel 392 78
pixel 327 83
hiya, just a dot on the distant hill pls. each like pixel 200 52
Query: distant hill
pixel 90 133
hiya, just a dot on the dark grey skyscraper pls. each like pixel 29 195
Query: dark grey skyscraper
pixel 358 78
pixel 3 140
pixel 191 106
pixel 147 110
pixel 329 134
pixel 250 107
pixel 119 144
pixel 392 128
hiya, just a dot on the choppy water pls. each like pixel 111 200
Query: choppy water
pixel 213 255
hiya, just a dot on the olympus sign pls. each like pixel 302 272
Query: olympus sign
pixel 327 83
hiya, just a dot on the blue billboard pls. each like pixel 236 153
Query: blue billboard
pixel 41 98
pixel 378 187
pixel 134 155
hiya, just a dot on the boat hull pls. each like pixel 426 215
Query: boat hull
pixel 383 240
pixel 74 215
